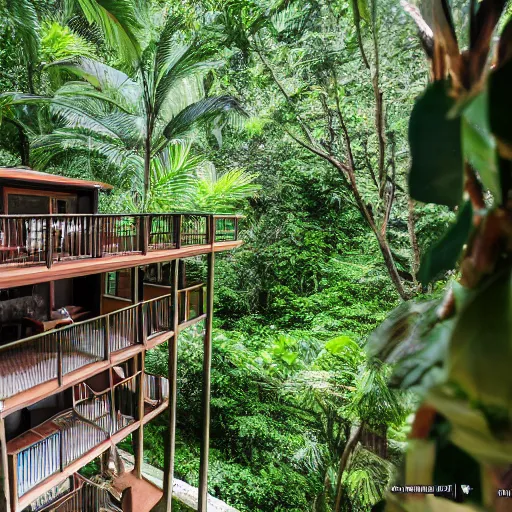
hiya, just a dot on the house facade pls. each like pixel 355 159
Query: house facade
pixel 83 298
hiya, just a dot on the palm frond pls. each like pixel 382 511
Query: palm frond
pixel 22 16
pixel 86 113
pixel 129 164
pixel 200 112
pixel 58 42
pixel 312 456
pixel 183 62
pixel 223 193
pixel 165 45
pixel 374 401
pixel 104 78
pixel 118 22
pixel 171 188
pixel 367 478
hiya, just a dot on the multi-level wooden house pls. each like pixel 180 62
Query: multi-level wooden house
pixel 83 297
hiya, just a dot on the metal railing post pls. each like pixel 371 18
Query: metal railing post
pixel 49 243
pixel 205 406
pixel 5 497
pixel 170 444
pixel 177 230
pixel 106 320
pixel 60 376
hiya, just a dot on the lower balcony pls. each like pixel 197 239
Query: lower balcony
pixel 44 456
pixel 126 493
pixel 49 361
pixel 75 493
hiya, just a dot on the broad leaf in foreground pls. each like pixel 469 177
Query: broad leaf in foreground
pixel 436 174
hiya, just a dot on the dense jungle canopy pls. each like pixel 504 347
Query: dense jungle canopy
pixel 296 115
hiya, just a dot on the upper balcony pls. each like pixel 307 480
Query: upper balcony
pixel 38 248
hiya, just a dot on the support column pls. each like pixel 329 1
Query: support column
pixel 207 363
pixel 138 435
pixel 173 391
pixel 5 497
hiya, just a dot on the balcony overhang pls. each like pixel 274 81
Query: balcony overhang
pixel 29 275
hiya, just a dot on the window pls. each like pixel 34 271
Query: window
pixel 119 284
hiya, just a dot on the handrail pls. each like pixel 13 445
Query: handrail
pixel 51 355
pixel 72 433
pixel 156 388
pixel 86 496
pixel 65 327
pixel 37 239
pixel 99 215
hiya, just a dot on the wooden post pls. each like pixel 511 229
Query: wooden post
pixel 173 392
pixel 177 231
pixel 49 243
pixel 139 299
pixel 60 376
pixel 212 228
pixel 5 498
pixel 207 363
pixel 106 341
pixel 113 415
pixel 146 228
pixel 139 434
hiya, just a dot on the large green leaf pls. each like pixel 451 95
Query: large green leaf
pixel 443 255
pixel 436 174
pixel 470 430
pixel 479 144
pixel 339 344
pixel 481 345
pixel 500 102
pixel 119 22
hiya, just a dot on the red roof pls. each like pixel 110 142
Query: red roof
pixel 30 176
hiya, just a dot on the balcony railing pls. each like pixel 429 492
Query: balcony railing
pixel 156 389
pixel 157 316
pixel 47 239
pixel 53 355
pixel 73 494
pixel 88 497
pixel 70 435
pixel 191 302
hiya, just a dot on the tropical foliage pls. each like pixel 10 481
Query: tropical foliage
pixel 357 195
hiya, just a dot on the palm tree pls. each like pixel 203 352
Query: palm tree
pixel 20 17
pixel 130 120
pixel 181 181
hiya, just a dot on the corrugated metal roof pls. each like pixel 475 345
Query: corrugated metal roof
pixel 43 178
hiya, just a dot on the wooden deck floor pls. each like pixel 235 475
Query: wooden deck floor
pixel 142 495
pixel 11 276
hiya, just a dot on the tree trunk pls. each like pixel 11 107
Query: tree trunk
pixel 349 448
pixel 147 165
pixel 389 261
pixel 390 265
pixel 411 225
pixel 24 147
pixel 23 142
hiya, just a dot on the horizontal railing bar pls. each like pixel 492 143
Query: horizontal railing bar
pixel 127 379
pixel 65 328
pixel 95 393
pixel 193 287
pixel 155 299
pixel 112 215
